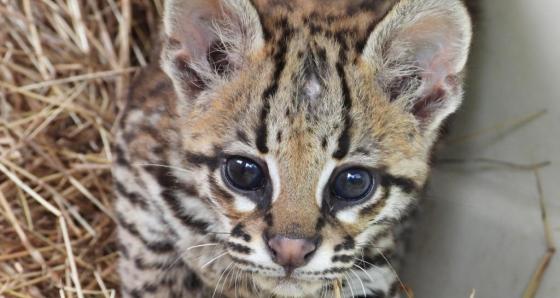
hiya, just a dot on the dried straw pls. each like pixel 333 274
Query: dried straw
pixel 64 69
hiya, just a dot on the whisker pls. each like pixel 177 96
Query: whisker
pixel 235 282
pixel 394 272
pixel 360 280
pixel 226 279
pixel 349 284
pixel 203 245
pixel 161 166
pixel 220 278
pixel 364 270
pixel 212 260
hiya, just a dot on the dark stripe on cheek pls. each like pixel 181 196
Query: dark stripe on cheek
pixel 170 189
pixel 376 207
pixel 132 197
pixel 218 191
pixel 239 232
pixel 343 258
pixel 158 247
pixel 377 260
pixel 405 184
pixel 348 244
pixel 242 249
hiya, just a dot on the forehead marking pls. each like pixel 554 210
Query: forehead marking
pixel 279 60
pixel 344 138
pixel 312 88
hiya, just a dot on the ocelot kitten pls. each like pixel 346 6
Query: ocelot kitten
pixel 279 146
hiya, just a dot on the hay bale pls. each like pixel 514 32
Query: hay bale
pixel 64 69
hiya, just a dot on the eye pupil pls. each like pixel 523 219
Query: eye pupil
pixel 244 173
pixel 352 184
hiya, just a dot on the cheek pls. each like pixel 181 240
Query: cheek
pixel 359 217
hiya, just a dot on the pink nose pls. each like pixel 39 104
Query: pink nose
pixel 291 253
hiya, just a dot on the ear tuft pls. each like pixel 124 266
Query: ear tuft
pixel 207 40
pixel 419 52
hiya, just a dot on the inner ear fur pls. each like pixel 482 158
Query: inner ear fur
pixel 419 52
pixel 205 41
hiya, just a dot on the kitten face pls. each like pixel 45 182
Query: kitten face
pixel 302 186
pixel 315 137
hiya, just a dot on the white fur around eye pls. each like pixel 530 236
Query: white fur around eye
pixel 242 204
pixel 323 180
pixel 274 176
pixel 349 216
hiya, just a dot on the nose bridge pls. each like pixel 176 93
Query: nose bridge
pixel 295 211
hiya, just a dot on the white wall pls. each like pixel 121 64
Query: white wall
pixel 481 227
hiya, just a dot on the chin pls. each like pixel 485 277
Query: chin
pixel 288 287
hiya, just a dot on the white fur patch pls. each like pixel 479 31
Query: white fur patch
pixel 348 216
pixel 313 88
pixel 274 176
pixel 323 180
pixel 243 204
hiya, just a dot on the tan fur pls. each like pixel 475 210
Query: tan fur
pixel 350 54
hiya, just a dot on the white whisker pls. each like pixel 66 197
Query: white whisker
pixel 203 245
pixel 394 271
pixel 360 280
pixel 349 284
pixel 220 278
pixel 161 166
pixel 364 270
pixel 212 260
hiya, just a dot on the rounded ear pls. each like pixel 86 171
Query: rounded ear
pixel 207 40
pixel 419 52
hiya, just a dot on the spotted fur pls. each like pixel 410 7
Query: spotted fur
pixel 305 88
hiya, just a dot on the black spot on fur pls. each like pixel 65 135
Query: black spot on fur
pixel 343 258
pixel 239 232
pixel 279 136
pixel 320 224
pixel 242 249
pixel 192 282
pixel 348 244
pixel 268 219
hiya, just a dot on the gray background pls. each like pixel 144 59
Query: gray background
pixel 481 226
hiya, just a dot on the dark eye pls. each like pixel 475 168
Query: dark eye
pixel 352 184
pixel 244 173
